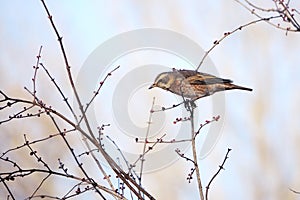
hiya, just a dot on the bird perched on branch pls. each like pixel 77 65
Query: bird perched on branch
pixel 192 84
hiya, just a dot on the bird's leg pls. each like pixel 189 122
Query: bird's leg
pixel 186 103
pixel 189 104
pixel 193 104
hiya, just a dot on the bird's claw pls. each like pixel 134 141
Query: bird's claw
pixel 189 104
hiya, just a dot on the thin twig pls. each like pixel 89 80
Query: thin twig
pixel 40 185
pixel 36 67
pixel 260 8
pixel 216 118
pixel 168 108
pixel 161 141
pixel 216 174
pixel 195 158
pixel 123 156
pixel 184 157
pixel 90 136
pixel 36 141
pixel 74 156
pixel 146 138
pixel 296 192
pixel 277 10
pixel 149 149
pixel 19 115
pixel 226 34
pixel 68 68
pixel 98 90
pixel 7 188
pixel 289 16
pixel 26 172
pixel 65 99
pixel 119 172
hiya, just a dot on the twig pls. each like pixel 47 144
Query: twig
pixel 68 68
pixel 34 153
pixel 87 144
pixel 7 188
pixel 74 156
pixel 294 191
pixel 289 16
pixel 131 172
pixel 149 149
pixel 168 108
pixel 216 118
pixel 19 115
pixel 40 185
pixel 26 172
pixel 195 153
pixel 90 136
pixel 119 172
pixel 36 67
pixel 161 141
pixel 215 175
pixel 226 34
pixel 259 8
pixel 284 14
pixel 35 141
pixel 98 90
pixel 184 157
pixel 65 99
pixel 123 156
pixel 146 138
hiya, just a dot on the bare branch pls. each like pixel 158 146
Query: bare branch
pixel 146 138
pixel 36 67
pixel 216 174
pixel 195 158
pixel 294 191
pixel 226 34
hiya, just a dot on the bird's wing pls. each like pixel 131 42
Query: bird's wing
pixel 199 78
pixel 187 73
pixel 208 81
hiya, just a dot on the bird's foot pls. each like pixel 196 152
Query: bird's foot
pixel 189 104
pixel 193 104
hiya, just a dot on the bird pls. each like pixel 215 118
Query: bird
pixel 192 84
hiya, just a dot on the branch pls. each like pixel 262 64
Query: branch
pixel 7 188
pixel 294 191
pixel 226 34
pixel 146 138
pixel 195 153
pixel 65 99
pixel 283 12
pixel 98 90
pixel 149 149
pixel 36 67
pixel 219 170
pixel 90 136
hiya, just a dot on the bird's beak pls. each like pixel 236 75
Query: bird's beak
pixel 152 86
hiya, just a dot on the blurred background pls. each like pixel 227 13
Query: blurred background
pixel 261 127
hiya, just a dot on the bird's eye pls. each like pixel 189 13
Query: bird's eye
pixel 165 80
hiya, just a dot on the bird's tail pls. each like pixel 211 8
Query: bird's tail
pixel 232 86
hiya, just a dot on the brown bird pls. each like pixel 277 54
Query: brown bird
pixel 192 84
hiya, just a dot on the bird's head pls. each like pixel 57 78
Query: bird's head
pixel 163 80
